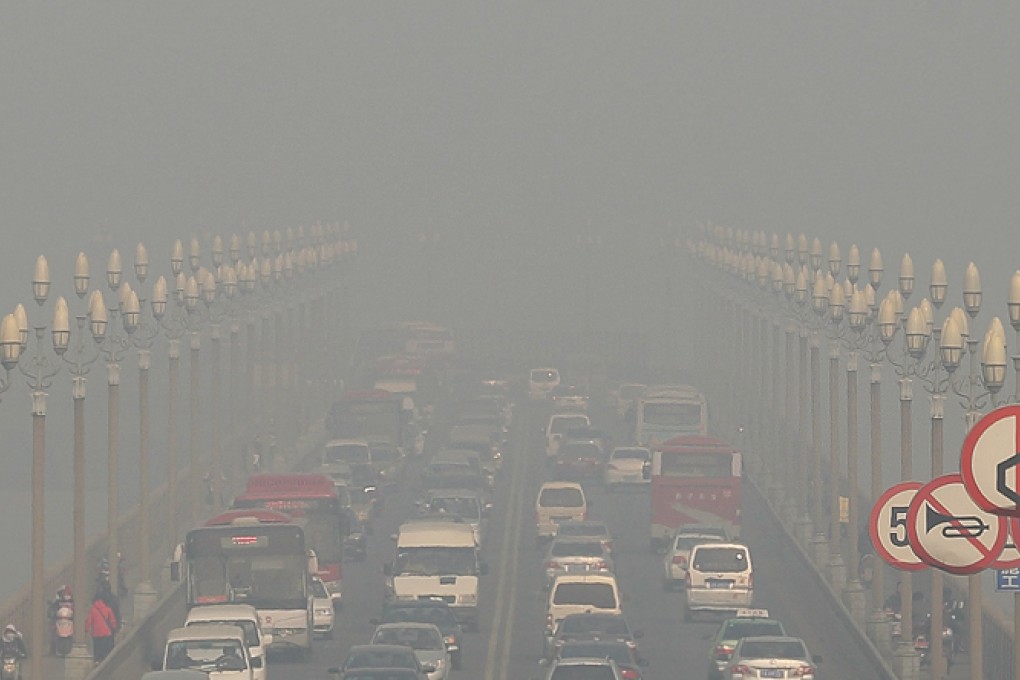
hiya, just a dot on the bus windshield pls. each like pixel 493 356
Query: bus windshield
pixel 264 581
pixel 696 464
pixel 673 414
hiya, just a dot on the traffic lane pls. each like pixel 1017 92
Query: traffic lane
pixel 363 581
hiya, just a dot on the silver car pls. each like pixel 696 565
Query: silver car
pixel 626 465
pixel 426 641
pixel 576 555
pixel 772 657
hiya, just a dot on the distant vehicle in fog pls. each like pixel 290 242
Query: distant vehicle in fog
pixel 667 411
pixel 541 382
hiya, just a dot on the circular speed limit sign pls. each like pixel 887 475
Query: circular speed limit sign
pixel 888 526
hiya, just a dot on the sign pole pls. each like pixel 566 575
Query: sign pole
pixel 974 616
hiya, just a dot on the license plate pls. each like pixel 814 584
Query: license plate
pixel 772 673
pixel 719 583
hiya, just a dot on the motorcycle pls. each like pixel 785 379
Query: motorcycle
pixel 922 645
pixel 10 667
pixel 356 543
pixel 63 629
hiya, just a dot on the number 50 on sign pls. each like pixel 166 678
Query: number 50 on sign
pixel 887 525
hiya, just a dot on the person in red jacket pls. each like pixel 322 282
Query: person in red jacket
pixel 101 624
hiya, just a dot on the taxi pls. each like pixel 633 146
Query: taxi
pixel 747 623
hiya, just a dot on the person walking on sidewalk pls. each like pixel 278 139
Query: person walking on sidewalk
pixel 101 624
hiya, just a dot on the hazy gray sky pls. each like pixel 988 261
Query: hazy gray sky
pixel 510 130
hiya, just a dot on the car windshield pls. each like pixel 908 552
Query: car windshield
pixel 319 589
pixel 721 559
pixel 420 639
pixel 251 633
pixel 436 562
pixel 577 529
pixel 597 595
pixel 630 454
pixel 688 542
pixel 580 450
pixel 772 649
pixel 381 658
pixel 561 425
pixel 205 655
pixel 544 376
pixel 607 625
pixel 384 453
pixel 738 630
pixel 347 453
pixel 465 507
pixel 583 672
pixel 576 549
pixel 561 497
pixel 440 616
pixel 619 653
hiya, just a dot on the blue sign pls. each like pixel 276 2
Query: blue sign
pixel 1007 580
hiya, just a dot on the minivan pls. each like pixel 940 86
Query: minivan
pixel 558 502
pixel 244 617
pixel 542 381
pixel 216 649
pixel 580 593
pixel 720 577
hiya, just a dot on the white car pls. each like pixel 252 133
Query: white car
pixel 678 552
pixel 557 427
pixel 426 641
pixel 772 657
pixel 627 465
pixel 720 577
pixel 322 609
pixel 577 554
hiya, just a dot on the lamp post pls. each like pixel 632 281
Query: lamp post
pixel 114 346
pixel 191 297
pixel 174 325
pixel 145 594
pixel 79 361
pixel 40 370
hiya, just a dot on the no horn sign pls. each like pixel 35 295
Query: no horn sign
pixel 990 460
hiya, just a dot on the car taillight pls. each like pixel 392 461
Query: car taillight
pixel 584 515
pixel 687 579
pixel 750 581
pixel 549 621
pixel 741 669
pixel 632 644
pixel 680 560
pixel 608 545
pixel 802 671
pixel 602 565
pixel 723 652
pixel 629 674
pixel 552 565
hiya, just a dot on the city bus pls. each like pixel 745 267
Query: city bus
pixel 255 557
pixel 669 411
pixel 695 480
pixel 369 415
pixel 312 497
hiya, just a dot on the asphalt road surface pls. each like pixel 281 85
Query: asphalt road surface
pixel 513 604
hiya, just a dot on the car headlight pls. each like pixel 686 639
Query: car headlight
pixel 469 598
pixel 323 612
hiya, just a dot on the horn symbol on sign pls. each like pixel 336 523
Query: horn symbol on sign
pixel 968 526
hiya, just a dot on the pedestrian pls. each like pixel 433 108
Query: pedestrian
pixel 101 623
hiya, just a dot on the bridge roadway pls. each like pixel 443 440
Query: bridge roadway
pixel 513 604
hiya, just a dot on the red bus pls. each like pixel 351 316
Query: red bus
pixel 695 480
pixel 313 498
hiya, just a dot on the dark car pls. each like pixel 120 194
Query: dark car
pixel 361 657
pixel 620 652
pixel 375 673
pixel 427 611
pixel 592 626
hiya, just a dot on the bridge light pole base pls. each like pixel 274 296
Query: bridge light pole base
pixel 906 662
pixel 879 630
pixel 837 572
pixel 78 663
pixel 855 600
pixel 803 530
pixel 145 598
pixel 820 550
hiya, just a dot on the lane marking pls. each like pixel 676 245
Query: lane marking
pixel 502 628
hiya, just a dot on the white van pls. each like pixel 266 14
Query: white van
pixel 437 560
pixel 542 381
pixel 216 649
pixel 558 502
pixel 720 577
pixel 581 593
pixel 244 617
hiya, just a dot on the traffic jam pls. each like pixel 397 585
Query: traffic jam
pixel 406 548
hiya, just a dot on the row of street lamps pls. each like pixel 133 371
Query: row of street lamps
pixel 790 287
pixel 262 285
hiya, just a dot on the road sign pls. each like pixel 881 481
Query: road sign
pixel 1007 580
pixel 949 531
pixel 1010 556
pixel 990 461
pixel 887 525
